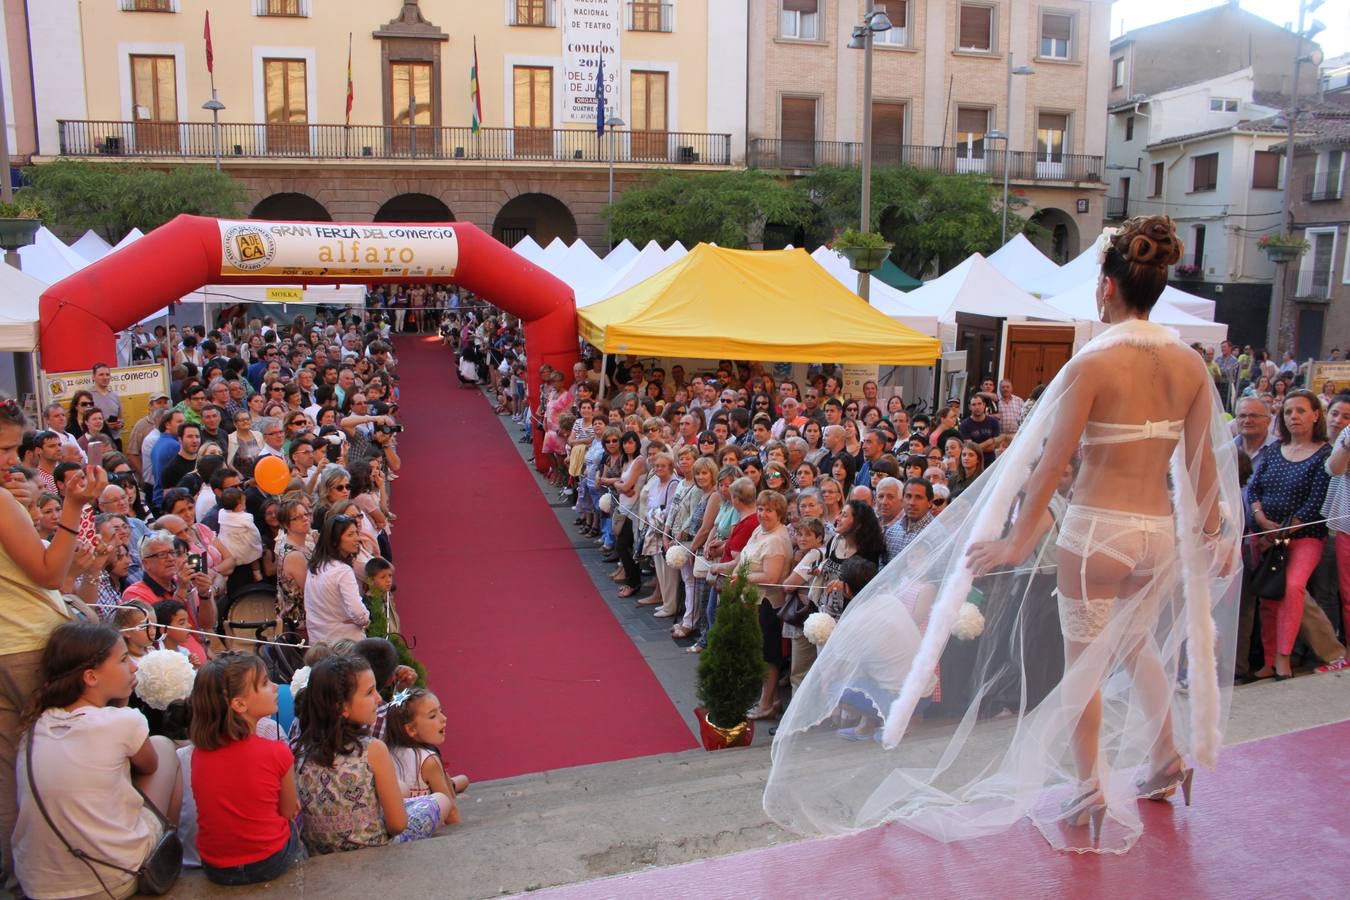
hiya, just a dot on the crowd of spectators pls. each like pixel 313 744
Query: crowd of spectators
pixel 799 480
pixel 120 540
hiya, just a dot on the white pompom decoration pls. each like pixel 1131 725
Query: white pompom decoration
pixel 969 622
pixel 163 676
pixel 677 556
pixel 299 680
pixel 606 503
pixel 818 628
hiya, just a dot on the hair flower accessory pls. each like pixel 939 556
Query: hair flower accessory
pixel 299 680
pixel 1104 244
pixel 163 677
pixel 401 697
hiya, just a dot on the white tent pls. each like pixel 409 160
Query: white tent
pixel 880 294
pixel 977 287
pixel 1082 267
pixel 679 248
pixel 131 237
pixel 623 253
pixel 1022 263
pixel 1081 303
pixel 551 255
pixel 327 294
pixel 19 293
pixel 92 246
pixel 649 260
pixel 1199 307
pixel 49 259
pixel 581 268
pixel 527 248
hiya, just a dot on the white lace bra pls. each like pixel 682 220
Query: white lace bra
pixel 1116 433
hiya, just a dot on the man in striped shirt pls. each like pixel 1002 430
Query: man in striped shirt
pixel 1010 407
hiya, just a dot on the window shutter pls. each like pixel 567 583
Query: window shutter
pixel 1266 169
pixel 801 6
pixel 971 121
pixel 976 27
pixel 1158 176
pixel 888 123
pixel 1056 27
pixel 895 11
pixel 798 119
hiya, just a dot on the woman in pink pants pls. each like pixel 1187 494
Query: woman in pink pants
pixel 1286 490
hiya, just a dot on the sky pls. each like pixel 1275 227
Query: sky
pixel 1335 14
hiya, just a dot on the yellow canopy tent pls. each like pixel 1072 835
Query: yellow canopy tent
pixel 775 305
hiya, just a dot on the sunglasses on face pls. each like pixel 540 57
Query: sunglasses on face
pixel 939 501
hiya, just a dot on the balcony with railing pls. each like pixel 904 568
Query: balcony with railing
pixel 1323 186
pixel 421 143
pixel 650 16
pixel 1117 208
pixel 779 153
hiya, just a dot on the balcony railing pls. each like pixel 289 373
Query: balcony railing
pixel 777 153
pixel 196 140
pixel 1117 207
pixel 1322 186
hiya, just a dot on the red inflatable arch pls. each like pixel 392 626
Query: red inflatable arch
pixel 81 314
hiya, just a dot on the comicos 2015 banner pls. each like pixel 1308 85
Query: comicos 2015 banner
pixel 317 249
pixel 590 31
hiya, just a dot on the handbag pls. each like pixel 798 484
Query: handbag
pixel 796 610
pixel 1268 578
pixel 161 868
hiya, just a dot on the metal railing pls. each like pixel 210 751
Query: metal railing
pixel 167 6
pixel 196 140
pixel 778 153
pixel 1117 207
pixel 650 16
pixel 1322 186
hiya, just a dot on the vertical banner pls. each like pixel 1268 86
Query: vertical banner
pixel 590 33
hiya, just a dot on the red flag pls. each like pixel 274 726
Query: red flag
pixel 210 57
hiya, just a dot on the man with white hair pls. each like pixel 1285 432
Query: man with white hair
pixel 861 492
pixel 791 416
pixel 55 419
pixel 890 515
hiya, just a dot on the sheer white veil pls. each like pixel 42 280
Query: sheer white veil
pixel 994 743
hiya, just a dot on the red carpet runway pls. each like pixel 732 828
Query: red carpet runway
pixel 531 666
pixel 1272 821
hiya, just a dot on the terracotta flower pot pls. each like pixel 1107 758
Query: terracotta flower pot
pixel 715 738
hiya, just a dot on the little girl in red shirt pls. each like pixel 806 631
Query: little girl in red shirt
pixel 244 785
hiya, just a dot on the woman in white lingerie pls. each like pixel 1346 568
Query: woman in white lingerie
pixel 1146 558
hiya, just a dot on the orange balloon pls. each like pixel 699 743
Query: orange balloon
pixel 272 475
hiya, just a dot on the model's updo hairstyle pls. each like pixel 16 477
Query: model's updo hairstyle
pixel 1137 256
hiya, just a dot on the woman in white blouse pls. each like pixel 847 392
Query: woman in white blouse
pixel 333 607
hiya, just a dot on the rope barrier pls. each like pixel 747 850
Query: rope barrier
pixel 209 634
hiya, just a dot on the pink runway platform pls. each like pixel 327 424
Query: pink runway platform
pixel 1272 821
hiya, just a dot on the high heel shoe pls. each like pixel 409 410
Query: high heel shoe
pixel 1163 784
pixel 1088 808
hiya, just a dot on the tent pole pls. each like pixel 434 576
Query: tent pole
pixel 604 367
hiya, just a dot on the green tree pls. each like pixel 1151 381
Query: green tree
pixel 934 220
pixel 113 198
pixel 731 669
pixel 726 208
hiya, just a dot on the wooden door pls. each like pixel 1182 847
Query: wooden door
pixel 154 98
pixel 533 87
pixel 647 100
pixel 412 100
pixel 797 129
pixel 1036 353
pixel 287 106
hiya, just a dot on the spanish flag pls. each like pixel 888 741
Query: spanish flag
pixel 351 94
pixel 475 98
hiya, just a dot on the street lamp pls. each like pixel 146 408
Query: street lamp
pixel 1006 134
pixel 874 21
pixel 611 123
pixel 215 106
pixel 1275 320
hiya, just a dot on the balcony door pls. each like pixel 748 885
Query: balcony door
pixel 647 96
pixel 797 131
pixel 287 106
pixel 1052 132
pixel 412 101
pixel 533 87
pixel 154 103
pixel 888 133
pixel 971 127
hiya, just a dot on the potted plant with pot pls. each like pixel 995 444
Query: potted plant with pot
pixel 864 250
pixel 1281 248
pixel 731 669
pixel 19 223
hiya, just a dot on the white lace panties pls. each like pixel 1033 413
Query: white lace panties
pixel 1143 543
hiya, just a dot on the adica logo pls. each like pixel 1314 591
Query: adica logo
pixel 57 387
pixel 248 247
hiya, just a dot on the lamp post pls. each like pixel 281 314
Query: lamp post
pixel 1006 135
pixel 215 106
pixel 611 123
pixel 1275 321
pixel 874 21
